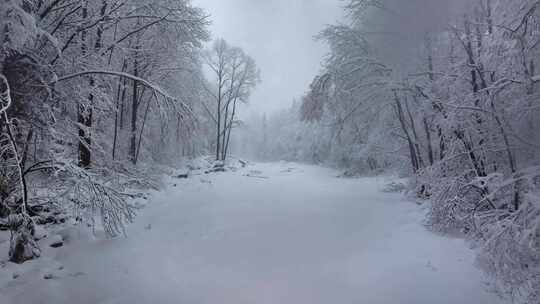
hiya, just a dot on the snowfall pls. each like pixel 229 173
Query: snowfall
pixel 265 234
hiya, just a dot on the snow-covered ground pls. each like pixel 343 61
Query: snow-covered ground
pixel 289 234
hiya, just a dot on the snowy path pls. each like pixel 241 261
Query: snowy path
pixel 300 237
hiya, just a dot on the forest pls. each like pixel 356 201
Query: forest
pixel 101 98
pixel 450 101
pixel 98 94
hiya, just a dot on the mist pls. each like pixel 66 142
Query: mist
pixel 269 151
pixel 279 35
pixel 400 30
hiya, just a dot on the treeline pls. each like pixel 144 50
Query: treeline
pixel 449 94
pixel 94 96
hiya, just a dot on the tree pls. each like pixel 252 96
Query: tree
pixel 235 75
pixel 449 99
pixel 18 27
pixel 66 68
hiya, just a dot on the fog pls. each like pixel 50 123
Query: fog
pixel 400 30
pixel 279 35
pixel 396 159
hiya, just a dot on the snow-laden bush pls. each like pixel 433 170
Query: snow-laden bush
pixel 23 246
pixel 394 187
pixel 510 251
pixel 508 240
pixel 452 206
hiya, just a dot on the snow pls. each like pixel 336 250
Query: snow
pixel 300 235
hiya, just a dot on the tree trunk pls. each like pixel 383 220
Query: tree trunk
pixel 84 113
pixel 415 136
pixel 142 130
pixel 218 135
pixel 229 132
pixel 120 94
pixel 401 117
pixel 429 143
pixel 134 113
pixel 225 128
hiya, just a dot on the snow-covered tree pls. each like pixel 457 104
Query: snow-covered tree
pixel 87 88
pixel 452 95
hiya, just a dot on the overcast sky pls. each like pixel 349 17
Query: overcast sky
pixel 278 34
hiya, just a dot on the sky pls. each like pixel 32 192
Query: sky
pixel 279 35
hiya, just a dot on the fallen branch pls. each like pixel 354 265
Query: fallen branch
pixel 256 176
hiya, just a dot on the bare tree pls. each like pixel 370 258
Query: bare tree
pixel 235 75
